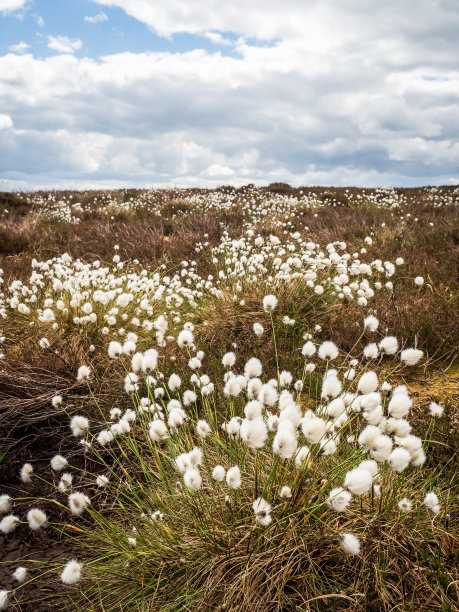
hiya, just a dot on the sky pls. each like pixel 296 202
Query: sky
pixel 144 93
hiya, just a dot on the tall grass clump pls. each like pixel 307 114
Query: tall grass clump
pixel 248 487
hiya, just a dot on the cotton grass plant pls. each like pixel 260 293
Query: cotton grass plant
pixel 246 486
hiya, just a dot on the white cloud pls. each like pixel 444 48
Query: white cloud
pixel 40 21
pixel 5 121
pixel 337 95
pixel 96 18
pixel 217 39
pixel 63 44
pixel 8 6
pixel 20 47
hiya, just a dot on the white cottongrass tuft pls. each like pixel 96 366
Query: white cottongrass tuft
pixel 405 505
pixel 9 523
pixel 4 599
pixel 26 473
pixel 328 351
pixel 285 442
pixel 59 463
pixel 308 349
pixel 37 519
pixel 388 345
pixel 79 425
pixel 269 303
pixel 158 430
pixel 368 383
pixel 411 356
pixel 258 329
pixel 399 406
pixel 5 503
pixel 313 429
pixel 419 281
pixel 218 473
pixel 229 359
pixel 253 368
pixel 431 502
pixel 350 544
pixel 233 477
pixel 192 479
pixel 115 349
pixel 203 429
pixel 371 323
pixel 399 459
pixel 339 499
pixel 254 432
pixel 358 481
pixel 436 410
pixel 102 481
pixel 185 338
pixel 286 492
pixel 77 502
pixel 56 401
pixel 71 572
pixel 20 574
pixel 371 351
pixel 84 372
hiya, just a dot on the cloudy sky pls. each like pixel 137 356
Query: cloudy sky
pixel 205 92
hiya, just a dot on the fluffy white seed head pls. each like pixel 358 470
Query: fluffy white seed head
pixel 411 356
pixel 431 502
pixel 218 473
pixel 405 505
pixel 285 442
pixel 399 459
pixel 269 303
pixel 328 351
pixel 84 372
pixel 233 477
pixel 381 448
pixel 192 479
pixel 371 323
pixel 358 481
pixel 399 406
pixel 435 409
pixel 59 463
pixel 26 473
pixel 308 349
pixel 339 499
pixel 388 345
pixel 350 544
pixel 9 523
pixel 253 368
pixel 331 387
pixel 203 429
pixel 258 329
pixel 20 574
pixel 371 351
pixel 368 383
pixel 37 519
pixel 254 432
pixel 79 425
pixel 71 573
pixel 78 502
pixel 5 503
pixel 115 349
pixel 285 492
pixel 229 359
pixel 313 429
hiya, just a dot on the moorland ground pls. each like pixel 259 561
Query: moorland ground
pixel 206 259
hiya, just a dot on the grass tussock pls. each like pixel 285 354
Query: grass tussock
pixel 186 422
